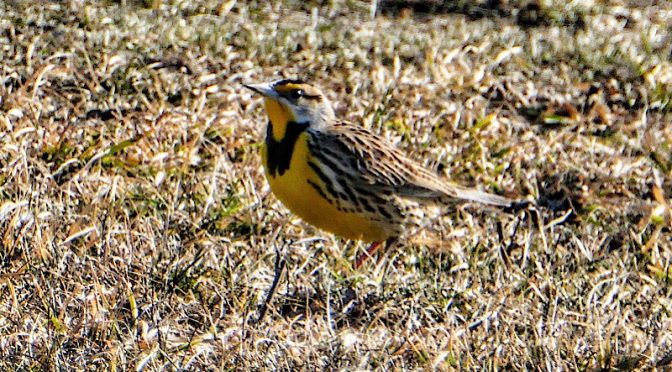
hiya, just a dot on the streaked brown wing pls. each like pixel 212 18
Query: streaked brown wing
pixel 371 162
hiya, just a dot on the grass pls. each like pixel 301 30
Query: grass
pixel 138 231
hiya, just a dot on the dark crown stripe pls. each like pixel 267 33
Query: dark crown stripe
pixel 289 81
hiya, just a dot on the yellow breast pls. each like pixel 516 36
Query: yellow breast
pixel 293 188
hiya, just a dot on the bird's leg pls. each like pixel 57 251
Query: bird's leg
pixel 369 252
pixel 279 266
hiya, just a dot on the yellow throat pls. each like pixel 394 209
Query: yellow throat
pixel 288 164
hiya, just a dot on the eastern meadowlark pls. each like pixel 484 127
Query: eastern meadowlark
pixel 343 178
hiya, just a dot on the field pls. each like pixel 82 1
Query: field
pixel 138 231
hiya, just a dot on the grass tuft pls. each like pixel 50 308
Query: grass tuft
pixel 138 231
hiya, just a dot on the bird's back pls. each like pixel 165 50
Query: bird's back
pixel 366 174
pixel 371 161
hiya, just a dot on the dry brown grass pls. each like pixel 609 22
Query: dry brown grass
pixel 138 231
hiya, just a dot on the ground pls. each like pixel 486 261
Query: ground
pixel 138 231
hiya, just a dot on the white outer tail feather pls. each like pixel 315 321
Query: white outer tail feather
pixel 484 197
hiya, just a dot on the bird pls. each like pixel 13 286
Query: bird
pixel 344 178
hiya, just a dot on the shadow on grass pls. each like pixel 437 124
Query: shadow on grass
pixel 530 14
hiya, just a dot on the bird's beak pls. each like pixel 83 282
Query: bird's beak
pixel 265 89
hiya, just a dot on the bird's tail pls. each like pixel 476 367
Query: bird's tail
pixel 483 197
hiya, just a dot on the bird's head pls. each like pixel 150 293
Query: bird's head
pixel 293 101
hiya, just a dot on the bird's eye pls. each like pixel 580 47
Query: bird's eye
pixel 296 94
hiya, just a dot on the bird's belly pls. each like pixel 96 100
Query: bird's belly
pixel 293 188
